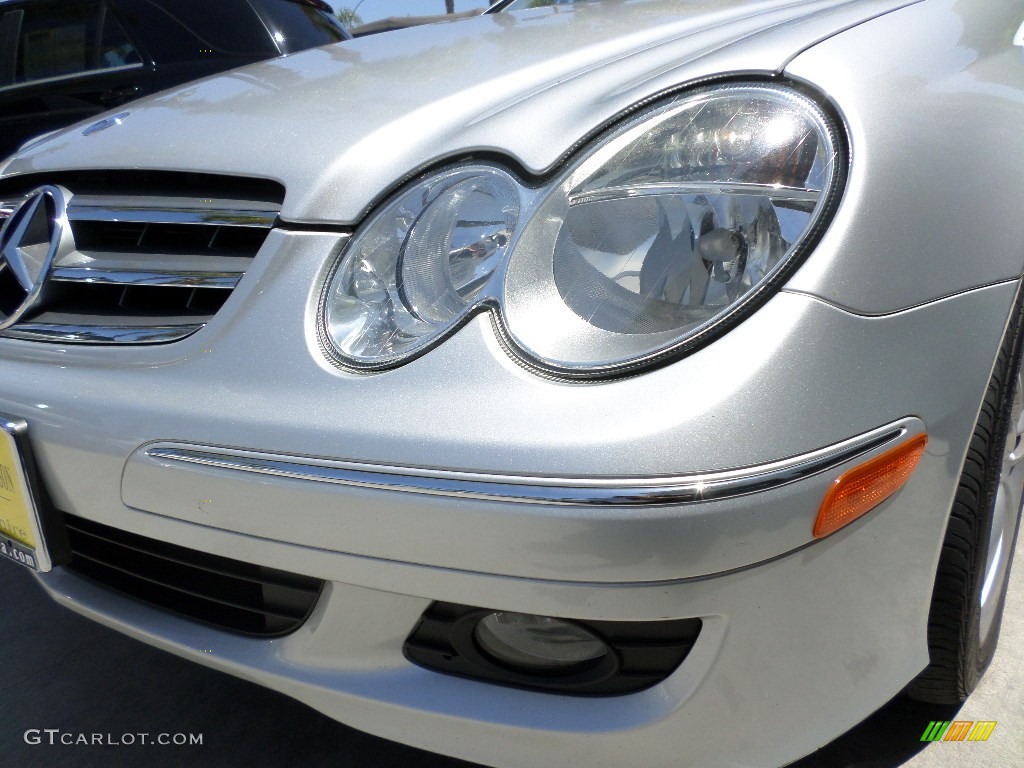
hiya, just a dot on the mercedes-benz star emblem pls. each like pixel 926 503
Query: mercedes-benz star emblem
pixel 35 234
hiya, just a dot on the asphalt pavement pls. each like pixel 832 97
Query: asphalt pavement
pixel 60 671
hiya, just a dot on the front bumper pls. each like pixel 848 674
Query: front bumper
pixel 792 653
pixel 800 640
pixel 799 376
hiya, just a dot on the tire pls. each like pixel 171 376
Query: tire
pixel 974 567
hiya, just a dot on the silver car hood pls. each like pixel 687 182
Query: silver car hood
pixel 341 125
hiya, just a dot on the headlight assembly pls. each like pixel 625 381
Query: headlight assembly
pixel 647 243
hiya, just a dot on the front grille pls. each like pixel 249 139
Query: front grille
pixel 229 594
pixel 155 254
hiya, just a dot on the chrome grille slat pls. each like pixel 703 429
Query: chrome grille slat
pixel 169 263
pixel 196 279
pixel 172 210
pixel 99 334
pixel 154 255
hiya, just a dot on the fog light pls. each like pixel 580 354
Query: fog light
pixel 538 643
pixel 585 657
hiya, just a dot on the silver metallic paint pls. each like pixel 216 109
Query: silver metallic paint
pixel 629 543
pixel 819 354
pixel 801 373
pixel 422 94
pixel 417 413
pixel 949 73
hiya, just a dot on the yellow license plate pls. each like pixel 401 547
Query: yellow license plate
pixel 21 538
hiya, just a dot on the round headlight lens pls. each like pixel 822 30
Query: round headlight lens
pixel 421 265
pixel 673 222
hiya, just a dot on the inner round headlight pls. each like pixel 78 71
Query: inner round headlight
pixel 420 265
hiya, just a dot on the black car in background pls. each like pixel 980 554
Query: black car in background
pixel 64 60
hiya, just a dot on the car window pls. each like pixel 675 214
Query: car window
pixel 116 50
pixel 228 26
pixel 52 40
pixel 10 25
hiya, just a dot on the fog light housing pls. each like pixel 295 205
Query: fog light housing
pixel 538 644
pixel 576 657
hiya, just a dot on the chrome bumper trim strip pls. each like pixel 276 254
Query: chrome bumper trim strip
pixel 595 491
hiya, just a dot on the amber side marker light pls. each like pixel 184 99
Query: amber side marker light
pixel 863 488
